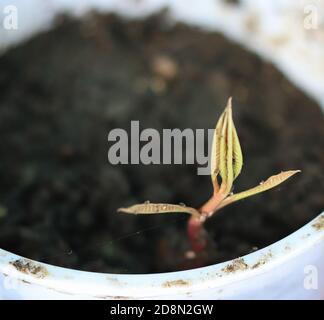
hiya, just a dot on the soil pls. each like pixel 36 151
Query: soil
pixel 64 90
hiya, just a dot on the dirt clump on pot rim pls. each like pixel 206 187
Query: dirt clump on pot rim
pixel 30 268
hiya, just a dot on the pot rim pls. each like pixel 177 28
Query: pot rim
pixel 134 286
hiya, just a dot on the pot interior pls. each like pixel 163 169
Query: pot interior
pixel 64 90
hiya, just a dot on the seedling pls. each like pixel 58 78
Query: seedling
pixel 226 165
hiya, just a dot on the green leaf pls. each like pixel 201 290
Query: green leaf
pixel 270 183
pixel 226 157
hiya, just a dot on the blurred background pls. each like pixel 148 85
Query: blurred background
pixel 71 71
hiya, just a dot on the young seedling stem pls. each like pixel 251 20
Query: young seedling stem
pixel 226 165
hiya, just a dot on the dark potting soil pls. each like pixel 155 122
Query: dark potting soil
pixel 62 92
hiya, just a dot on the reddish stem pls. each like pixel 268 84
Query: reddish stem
pixel 197 234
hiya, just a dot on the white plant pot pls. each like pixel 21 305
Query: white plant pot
pixel 292 268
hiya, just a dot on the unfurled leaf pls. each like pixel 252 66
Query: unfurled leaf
pixel 156 208
pixel 270 183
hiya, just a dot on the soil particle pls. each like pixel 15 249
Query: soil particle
pixel 263 260
pixel 175 283
pixel 235 265
pixel 252 23
pixel 30 268
pixel 319 224
pixel 164 67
